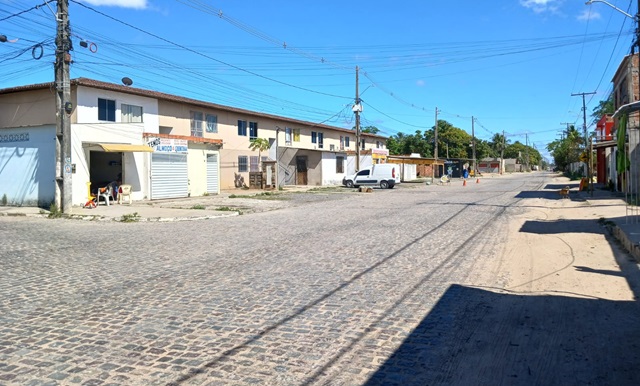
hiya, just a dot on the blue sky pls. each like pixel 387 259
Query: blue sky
pixel 511 64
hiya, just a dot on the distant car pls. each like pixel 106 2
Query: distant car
pixel 383 175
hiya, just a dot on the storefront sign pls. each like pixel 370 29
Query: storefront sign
pixel 169 145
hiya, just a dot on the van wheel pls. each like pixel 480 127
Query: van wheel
pixel 349 184
pixel 384 184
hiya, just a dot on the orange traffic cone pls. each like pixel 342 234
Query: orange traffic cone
pixel 477 180
pixel 464 183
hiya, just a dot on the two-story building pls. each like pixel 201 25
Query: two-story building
pixel 626 94
pixel 163 145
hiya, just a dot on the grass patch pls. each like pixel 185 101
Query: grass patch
pixel 131 217
pixel 226 209
pixel 54 211
pixel 198 207
pixel 260 196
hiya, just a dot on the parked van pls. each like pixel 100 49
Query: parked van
pixel 383 175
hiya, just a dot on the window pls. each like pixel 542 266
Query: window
pixel 287 136
pixel 253 130
pixel 254 163
pixel 341 143
pixel 314 137
pixel 196 123
pixel 242 128
pixel 296 135
pixel 332 147
pixel 212 123
pixel 320 140
pixel 106 110
pixel 362 144
pixel 378 144
pixel 131 114
pixel 242 164
pixel 346 142
pixel 339 164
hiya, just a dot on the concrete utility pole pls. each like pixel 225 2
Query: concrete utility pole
pixel 357 108
pixel 63 108
pixel 584 127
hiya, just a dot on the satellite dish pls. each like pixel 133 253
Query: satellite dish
pixel 127 81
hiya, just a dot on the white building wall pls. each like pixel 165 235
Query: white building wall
pixel 409 172
pixel 365 162
pixel 197 163
pixel 329 165
pixel 135 165
pixel 28 165
pixel 87 107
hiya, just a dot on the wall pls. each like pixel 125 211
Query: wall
pixel 135 165
pixel 28 166
pixel 87 107
pixel 197 163
pixel 329 165
pixel 28 108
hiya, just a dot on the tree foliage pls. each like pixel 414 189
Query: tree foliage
pixel 567 149
pixel 604 107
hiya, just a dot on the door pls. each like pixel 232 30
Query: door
pixel 301 170
pixel 213 183
pixel 169 176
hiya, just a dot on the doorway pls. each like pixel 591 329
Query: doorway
pixel 301 170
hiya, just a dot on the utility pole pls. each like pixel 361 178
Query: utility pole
pixel 357 108
pixel 473 145
pixel 584 127
pixel 435 147
pixel 526 156
pixel 502 152
pixel 63 108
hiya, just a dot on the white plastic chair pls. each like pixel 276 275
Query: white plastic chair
pixel 124 190
pixel 106 194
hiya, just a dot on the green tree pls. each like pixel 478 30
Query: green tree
pixel 370 130
pixel 603 107
pixel 259 144
pixel 567 149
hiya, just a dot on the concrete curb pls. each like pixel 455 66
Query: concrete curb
pixel 629 245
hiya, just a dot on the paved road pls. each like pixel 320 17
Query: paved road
pixel 349 289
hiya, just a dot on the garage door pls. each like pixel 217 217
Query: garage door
pixel 213 179
pixel 169 176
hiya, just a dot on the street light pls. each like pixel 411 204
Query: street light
pixel 614 7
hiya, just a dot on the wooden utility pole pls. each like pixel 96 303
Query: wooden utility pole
pixel 63 109
pixel 357 108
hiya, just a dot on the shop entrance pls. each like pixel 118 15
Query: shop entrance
pixel 104 168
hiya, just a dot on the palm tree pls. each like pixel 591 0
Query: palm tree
pixel 259 144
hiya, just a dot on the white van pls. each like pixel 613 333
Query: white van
pixel 383 175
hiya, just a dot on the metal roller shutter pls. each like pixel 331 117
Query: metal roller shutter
pixel 212 174
pixel 169 176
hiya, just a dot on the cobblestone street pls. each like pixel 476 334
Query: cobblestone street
pixel 320 293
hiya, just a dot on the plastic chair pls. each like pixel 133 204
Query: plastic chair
pixel 124 190
pixel 106 194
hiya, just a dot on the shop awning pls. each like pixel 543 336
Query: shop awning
pixel 124 148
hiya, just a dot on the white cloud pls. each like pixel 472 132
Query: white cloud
pixel 137 4
pixel 588 15
pixel 421 83
pixel 542 6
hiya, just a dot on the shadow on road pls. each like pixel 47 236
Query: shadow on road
pixel 474 336
pixel 561 226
